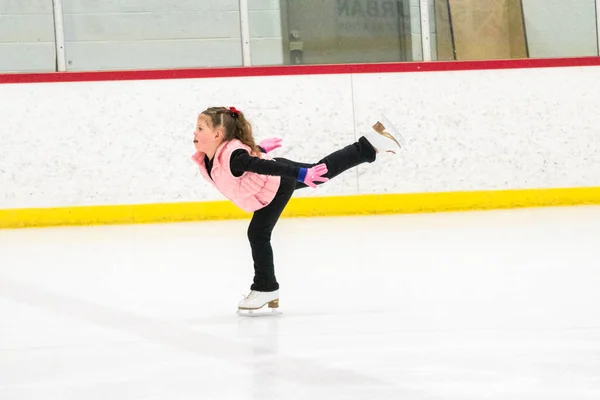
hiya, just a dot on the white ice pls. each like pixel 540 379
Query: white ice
pixel 479 305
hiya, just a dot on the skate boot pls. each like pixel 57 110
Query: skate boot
pixel 385 136
pixel 255 301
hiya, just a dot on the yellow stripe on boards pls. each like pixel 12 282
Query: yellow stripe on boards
pixel 119 214
pixel 440 202
pixel 301 207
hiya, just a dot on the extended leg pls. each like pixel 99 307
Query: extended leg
pixel 341 160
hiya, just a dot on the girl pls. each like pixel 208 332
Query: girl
pixel 242 171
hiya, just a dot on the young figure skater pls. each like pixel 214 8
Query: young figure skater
pixel 230 159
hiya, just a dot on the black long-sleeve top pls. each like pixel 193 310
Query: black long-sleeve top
pixel 241 161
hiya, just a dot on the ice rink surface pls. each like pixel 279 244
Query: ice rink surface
pixel 479 305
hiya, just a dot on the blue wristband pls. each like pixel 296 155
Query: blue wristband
pixel 302 174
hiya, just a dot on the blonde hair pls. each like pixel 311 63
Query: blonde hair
pixel 235 124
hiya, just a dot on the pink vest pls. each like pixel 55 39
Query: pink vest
pixel 251 191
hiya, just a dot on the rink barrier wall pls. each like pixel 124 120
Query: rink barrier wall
pixel 290 70
pixel 482 135
pixel 330 206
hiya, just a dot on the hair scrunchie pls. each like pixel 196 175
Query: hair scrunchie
pixel 234 112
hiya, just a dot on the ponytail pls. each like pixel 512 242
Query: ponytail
pixel 235 124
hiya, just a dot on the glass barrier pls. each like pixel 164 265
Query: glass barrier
pixel 151 34
pixel 561 28
pixel 158 34
pixel 265 32
pixel 504 29
pixel 27 36
pixel 350 31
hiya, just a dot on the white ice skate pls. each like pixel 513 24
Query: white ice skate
pixel 385 137
pixel 252 304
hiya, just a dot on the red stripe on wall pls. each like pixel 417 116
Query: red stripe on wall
pixel 227 72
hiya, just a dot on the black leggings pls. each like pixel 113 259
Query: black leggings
pixel 264 220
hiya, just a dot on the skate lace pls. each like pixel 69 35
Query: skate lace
pixel 252 295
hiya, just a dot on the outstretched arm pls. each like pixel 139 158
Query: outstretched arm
pixel 241 162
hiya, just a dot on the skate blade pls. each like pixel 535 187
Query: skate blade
pixel 259 313
pixel 271 310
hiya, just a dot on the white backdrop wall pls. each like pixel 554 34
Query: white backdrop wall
pixel 558 28
pixel 129 142
pixel 27 36
pixel 131 34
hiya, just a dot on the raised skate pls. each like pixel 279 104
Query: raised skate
pixel 385 136
pixel 252 305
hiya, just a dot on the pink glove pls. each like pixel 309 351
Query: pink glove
pixel 311 175
pixel 270 144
